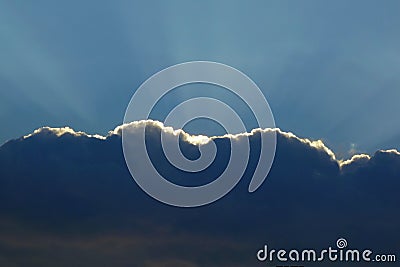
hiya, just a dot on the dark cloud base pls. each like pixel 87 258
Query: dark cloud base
pixel 67 199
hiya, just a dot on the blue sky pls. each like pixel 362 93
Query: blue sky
pixel 328 69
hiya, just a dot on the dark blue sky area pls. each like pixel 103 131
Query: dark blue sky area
pixel 329 70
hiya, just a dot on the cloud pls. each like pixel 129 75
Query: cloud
pixel 60 132
pixel 197 139
pixel 67 197
pixel 355 160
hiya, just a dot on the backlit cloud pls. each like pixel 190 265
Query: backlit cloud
pixel 67 198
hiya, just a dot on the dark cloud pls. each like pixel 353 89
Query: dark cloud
pixel 67 199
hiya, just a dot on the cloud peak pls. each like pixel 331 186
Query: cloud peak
pixel 58 132
pixel 202 139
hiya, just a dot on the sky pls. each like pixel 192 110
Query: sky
pixel 328 69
